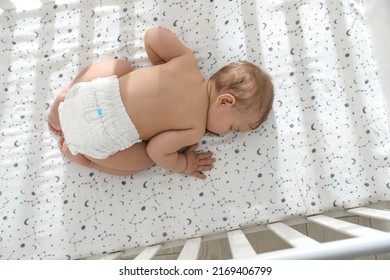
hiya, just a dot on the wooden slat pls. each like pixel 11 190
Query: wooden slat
pixel 240 245
pixel 149 252
pixel 112 256
pixel 343 227
pixel 191 249
pixel 371 213
pixel 291 236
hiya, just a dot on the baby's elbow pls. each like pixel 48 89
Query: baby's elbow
pixel 152 33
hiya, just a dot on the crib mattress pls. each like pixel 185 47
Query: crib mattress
pixel 325 145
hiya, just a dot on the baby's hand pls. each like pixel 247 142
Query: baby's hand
pixel 196 163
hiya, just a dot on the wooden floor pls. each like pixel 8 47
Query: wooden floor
pixel 265 241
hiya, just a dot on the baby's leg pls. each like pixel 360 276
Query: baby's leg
pixel 82 160
pixel 123 163
pixel 79 158
pixel 134 158
pixel 102 69
pixel 53 119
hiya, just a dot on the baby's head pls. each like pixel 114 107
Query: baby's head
pixel 241 98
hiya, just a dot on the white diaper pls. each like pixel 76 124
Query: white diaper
pixel 94 120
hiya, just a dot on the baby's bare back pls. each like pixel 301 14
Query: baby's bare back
pixel 170 96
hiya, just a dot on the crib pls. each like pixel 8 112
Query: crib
pixel 322 157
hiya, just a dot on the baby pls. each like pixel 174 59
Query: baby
pixel 121 121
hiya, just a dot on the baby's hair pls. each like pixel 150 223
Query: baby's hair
pixel 252 88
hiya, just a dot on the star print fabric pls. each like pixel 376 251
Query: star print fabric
pixel 325 145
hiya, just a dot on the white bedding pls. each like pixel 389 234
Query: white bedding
pixel 376 14
pixel 325 145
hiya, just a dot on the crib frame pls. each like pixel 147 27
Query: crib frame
pixel 362 240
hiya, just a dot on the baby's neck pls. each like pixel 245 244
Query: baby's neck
pixel 208 85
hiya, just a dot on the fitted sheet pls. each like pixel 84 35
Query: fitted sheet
pixel 325 145
pixel 376 14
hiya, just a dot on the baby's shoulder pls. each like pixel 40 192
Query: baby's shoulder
pixel 184 63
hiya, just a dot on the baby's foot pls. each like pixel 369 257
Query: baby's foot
pixel 79 158
pixel 54 129
pixel 53 119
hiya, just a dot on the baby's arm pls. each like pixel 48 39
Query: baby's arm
pixel 162 45
pixel 163 150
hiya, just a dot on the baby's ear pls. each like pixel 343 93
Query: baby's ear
pixel 226 98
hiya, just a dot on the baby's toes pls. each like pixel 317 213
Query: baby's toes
pixel 54 130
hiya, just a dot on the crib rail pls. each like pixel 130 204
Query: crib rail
pixel 342 249
pixel 343 227
pixel 363 240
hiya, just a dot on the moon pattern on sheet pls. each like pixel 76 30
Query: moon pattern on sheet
pixel 322 147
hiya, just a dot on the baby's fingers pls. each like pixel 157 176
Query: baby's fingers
pixel 199 175
pixel 205 167
pixel 205 155
pixel 207 162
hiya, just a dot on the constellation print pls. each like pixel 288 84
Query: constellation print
pixel 95 214
pixel 154 195
pixel 196 207
pixel 255 189
pixel 136 223
pixel 77 242
pixel 323 147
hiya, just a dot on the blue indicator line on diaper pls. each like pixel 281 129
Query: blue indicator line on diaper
pixel 100 112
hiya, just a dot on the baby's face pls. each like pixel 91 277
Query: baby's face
pixel 223 121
